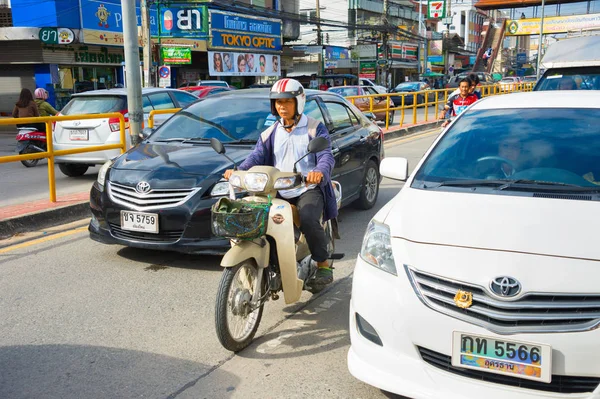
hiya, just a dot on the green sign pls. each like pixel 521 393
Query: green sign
pixel 368 67
pixel 176 55
pixel 56 35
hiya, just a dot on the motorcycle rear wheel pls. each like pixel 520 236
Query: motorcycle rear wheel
pixel 30 163
pixel 235 322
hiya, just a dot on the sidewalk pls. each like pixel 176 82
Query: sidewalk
pixel 41 214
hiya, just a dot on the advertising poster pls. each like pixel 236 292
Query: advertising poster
pixel 176 55
pixel 229 63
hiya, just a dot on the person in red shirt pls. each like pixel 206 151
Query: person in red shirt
pixel 459 103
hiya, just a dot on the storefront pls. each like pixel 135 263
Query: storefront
pixel 244 50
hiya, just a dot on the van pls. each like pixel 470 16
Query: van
pixel 571 64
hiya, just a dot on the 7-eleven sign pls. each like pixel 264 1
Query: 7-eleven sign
pixel 436 8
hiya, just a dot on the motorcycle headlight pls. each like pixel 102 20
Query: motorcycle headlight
pixel 103 171
pixel 285 182
pixel 235 181
pixel 256 182
pixel 377 247
pixel 222 188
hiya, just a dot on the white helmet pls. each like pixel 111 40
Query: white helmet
pixel 288 88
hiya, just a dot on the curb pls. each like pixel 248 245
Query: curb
pixel 407 131
pixel 44 219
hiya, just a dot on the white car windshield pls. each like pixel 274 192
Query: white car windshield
pixel 552 146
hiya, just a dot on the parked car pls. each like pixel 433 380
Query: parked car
pixel 509 83
pixel 484 79
pixel 205 83
pixel 173 177
pixel 491 292
pixel 368 82
pixel 93 132
pixel 411 87
pixel 529 79
pixel 379 103
pixel 205 91
pixel 571 64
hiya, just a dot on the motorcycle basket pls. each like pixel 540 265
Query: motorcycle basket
pixel 239 219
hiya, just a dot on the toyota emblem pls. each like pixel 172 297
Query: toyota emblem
pixel 143 187
pixel 505 286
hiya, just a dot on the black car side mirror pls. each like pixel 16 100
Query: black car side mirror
pixel 318 144
pixel 217 146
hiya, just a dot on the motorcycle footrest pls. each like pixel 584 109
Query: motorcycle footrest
pixel 337 256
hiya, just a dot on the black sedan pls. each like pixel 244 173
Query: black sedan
pixel 158 195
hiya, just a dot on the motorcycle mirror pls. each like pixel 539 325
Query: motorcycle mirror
pixel 318 144
pixel 217 146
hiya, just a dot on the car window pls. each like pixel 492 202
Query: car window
pixel 146 104
pixel 94 105
pixel 340 119
pixel 345 91
pixel 183 98
pixel 369 90
pixel 355 119
pixel 312 109
pixel 584 78
pixel 558 145
pixel 161 100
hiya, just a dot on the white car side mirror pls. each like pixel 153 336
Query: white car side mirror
pixel 394 168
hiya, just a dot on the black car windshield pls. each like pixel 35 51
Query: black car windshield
pixel 407 86
pixel 81 105
pixel 540 145
pixel 228 119
pixel 585 78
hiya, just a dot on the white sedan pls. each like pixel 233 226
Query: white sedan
pixel 481 278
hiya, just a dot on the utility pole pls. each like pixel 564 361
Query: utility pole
pixel 320 39
pixel 385 40
pixel 146 42
pixel 420 54
pixel 132 66
pixel 539 55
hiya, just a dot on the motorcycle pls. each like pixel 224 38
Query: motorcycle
pixel 30 140
pixel 268 252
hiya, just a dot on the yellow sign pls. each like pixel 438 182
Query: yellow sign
pixel 531 26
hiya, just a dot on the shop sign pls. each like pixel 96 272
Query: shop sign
pixel 331 64
pixel 176 55
pixel 83 55
pixel 243 64
pixel 236 31
pixel 184 21
pixel 107 16
pixel 336 53
pixel 436 8
pixel 367 68
pixel 531 26
pixel 56 35
pixel 401 51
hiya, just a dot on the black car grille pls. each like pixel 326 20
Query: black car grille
pixel 163 236
pixel 534 312
pixel 560 383
pixel 153 199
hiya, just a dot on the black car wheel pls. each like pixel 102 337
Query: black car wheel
pixel 370 187
pixel 73 169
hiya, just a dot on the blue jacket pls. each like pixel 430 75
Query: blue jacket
pixel 263 155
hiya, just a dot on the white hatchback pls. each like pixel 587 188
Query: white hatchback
pixel 481 278
pixel 92 132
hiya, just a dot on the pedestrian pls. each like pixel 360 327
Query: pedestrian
pixel 44 108
pixel 25 107
pixel 324 86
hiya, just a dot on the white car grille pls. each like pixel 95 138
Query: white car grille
pixel 530 313
pixel 153 199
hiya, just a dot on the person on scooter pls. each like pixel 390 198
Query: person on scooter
pixel 281 145
pixel 25 107
pixel 45 109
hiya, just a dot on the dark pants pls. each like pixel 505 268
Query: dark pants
pixel 310 207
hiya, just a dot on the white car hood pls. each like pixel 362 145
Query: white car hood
pixel 551 227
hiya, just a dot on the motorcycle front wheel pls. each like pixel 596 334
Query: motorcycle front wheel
pixel 235 320
pixel 30 163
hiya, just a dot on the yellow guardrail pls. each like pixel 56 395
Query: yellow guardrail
pixel 50 153
pixel 158 112
pixel 440 97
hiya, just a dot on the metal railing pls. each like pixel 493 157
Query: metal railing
pixel 160 112
pixel 50 154
pixel 426 100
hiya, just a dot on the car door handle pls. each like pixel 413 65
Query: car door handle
pixel 335 151
pixel 363 139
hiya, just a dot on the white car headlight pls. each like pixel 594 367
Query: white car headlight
pixel 377 247
pixel 103 171
pixel 256 182
pixel 285 182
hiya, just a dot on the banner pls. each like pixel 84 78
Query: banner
pixel 336 53
pixel 531 26
pixel 176 55
pixel 235 31
pixel 436 8
pixel 184 21
pixel 401 51
pixel 243 64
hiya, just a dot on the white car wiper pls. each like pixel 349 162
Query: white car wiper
pixel 468 183
pixel 546 185
pixel 169 140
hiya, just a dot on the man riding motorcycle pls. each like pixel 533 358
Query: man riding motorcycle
pixel 281 145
